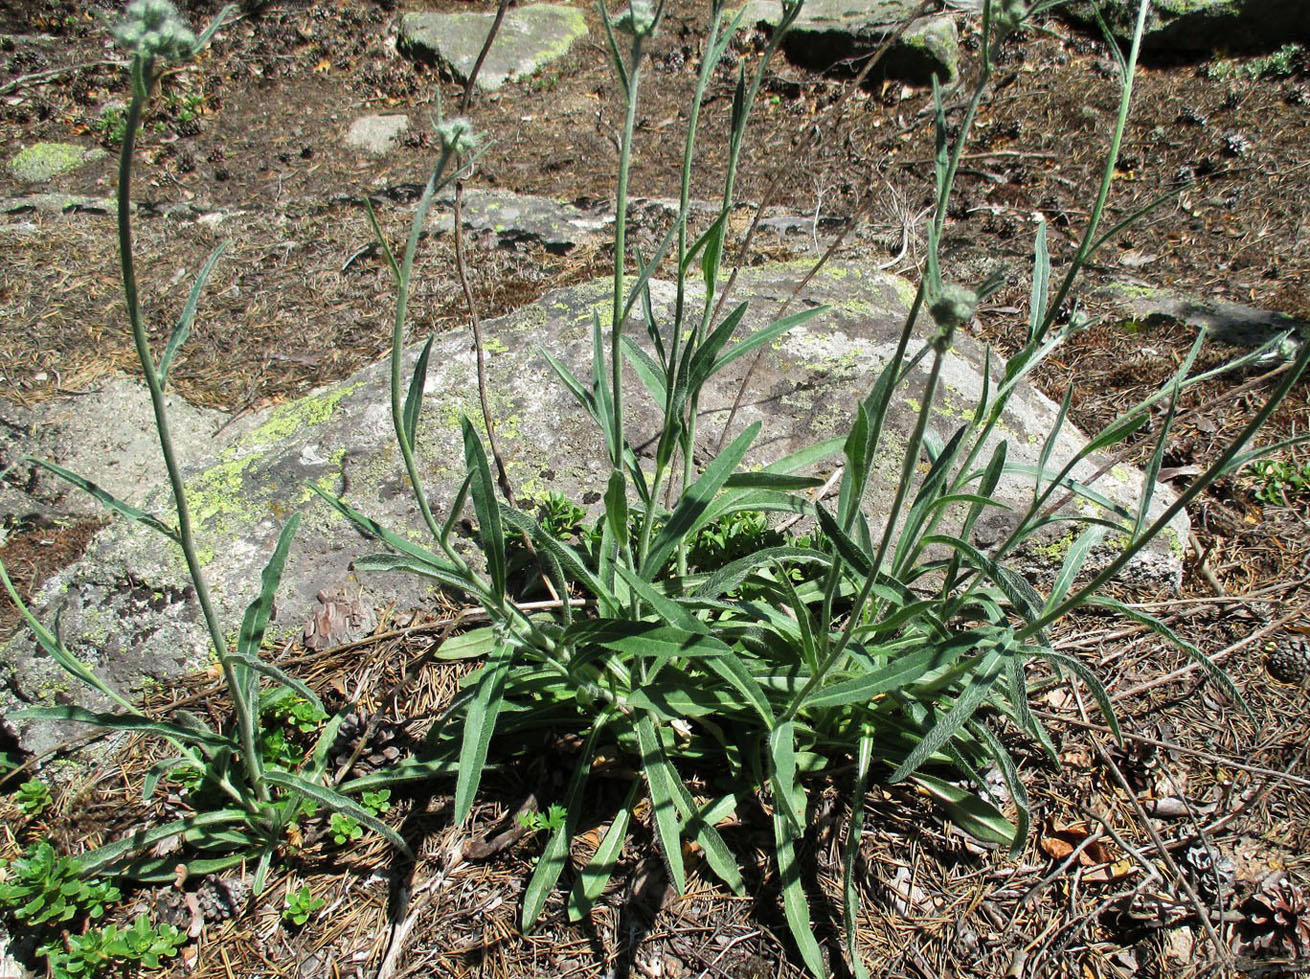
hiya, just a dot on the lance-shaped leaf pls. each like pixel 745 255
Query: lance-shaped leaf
pixel 690 513
pixel 334 801
pixel 479 726
pixel 596 874
pixel 551 862
pixel 182 330
pixel 414 396
pixel 107 499
pixel 483 491
pixel 660 779
pixel 255 621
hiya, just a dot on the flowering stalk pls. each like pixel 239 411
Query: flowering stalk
pixel 151 30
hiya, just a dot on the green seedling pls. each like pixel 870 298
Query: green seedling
pixel 299 905
pixel 33 797
pixel 44 887
pixel 376 802
pixel 344 829
pixel 535 821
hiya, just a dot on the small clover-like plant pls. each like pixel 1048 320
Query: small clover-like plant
pixel 344 829
pixel 299 905
pixel 45 887
pixel 33 797
pixel 376 802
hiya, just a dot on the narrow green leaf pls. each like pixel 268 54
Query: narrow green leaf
pixel 277 674
pixel 1073 563
pixel 182 330
pixel 1018 793
pixel 660 779
pixel 334 801
pixel 795 905
pixel 414 396
pixel 467 645
pixel 851 853
pixel 401 773
pixel 1040 295
pixel 552 860
pixel 648 372
pixel 616 505
pixel 700 823
pixel 479 726
pixel 382 239
pixel 96 861
pixel 596 874
pixel 135 723
pixel 766 335
pixel 483 491
pixel 107 499
pixel 902 671
pixel 255 622
pixel 971 698
pixel 1212 669
pixel 977 817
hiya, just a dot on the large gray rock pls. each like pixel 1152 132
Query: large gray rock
pixel 1203 26
pixel 127 606
pixel 529 38
pixel 829 32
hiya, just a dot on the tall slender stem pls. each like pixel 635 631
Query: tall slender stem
pixel 620 248
pixel 252 759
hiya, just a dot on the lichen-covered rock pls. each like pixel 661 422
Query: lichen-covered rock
pixel 42 162
pixel 530 37
pixel 1202 26
pixel 128 607
pixel 829 32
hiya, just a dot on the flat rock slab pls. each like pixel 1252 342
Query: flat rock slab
pixel 1194 27
pixel 555 225
pixel 529 38
pixel 127 606
pixel 829 32
pixel 106 435
pixel 376 135
pixel 1233 323
pixel 42 162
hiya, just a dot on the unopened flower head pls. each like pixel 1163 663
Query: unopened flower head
pixel 153 28
pixel 638 19
pixel 953 307
pixel 1010 16
pixel 457 136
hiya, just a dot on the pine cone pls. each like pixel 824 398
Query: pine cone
pixel 1208 870
pixel 221 898
pixel 1276 920
pixel 1289 659
pixel 383 748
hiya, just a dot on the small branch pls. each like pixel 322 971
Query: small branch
pixel 36 77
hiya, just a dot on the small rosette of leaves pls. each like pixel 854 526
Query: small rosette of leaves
pixel 44 887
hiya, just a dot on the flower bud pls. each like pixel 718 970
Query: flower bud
pixel 153 28
pixel 953 307
pixel 457 136
pixel 638 19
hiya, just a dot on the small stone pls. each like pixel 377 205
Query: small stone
pixel 376 134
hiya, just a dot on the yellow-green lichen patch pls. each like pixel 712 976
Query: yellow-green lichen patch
pixel 287 419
